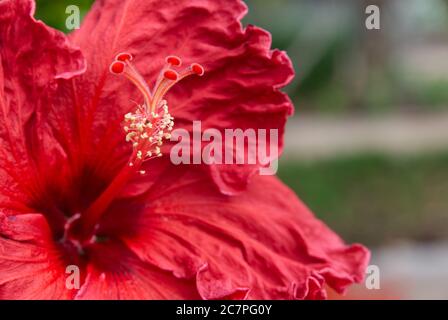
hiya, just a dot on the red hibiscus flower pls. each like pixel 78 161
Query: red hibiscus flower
pixel 74 192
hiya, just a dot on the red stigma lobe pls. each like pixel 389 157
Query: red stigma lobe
pixel 198 69
pixel 124 57
pixel 174 61
pixel 117 67
pixel 171 75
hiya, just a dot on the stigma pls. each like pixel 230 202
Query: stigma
pixel 150 124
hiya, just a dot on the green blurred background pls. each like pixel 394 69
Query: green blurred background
pixel 392 80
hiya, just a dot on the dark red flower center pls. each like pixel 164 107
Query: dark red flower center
pixel 145 129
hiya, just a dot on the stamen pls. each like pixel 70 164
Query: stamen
pixel 145 129
pixel 151 123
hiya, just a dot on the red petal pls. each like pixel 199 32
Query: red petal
pixel 116 273
pixel 239 90
pixel 31 267
pixel 33 58
pixel 264 243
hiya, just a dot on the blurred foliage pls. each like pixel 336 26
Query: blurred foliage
pixel 53 13
pixel 431 93
pixel 342 67
pixel 375 199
